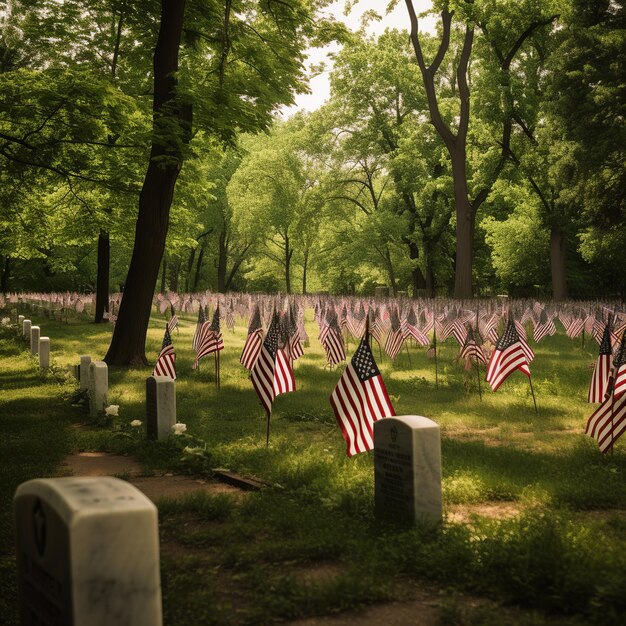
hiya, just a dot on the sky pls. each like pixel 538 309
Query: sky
pixel 398 18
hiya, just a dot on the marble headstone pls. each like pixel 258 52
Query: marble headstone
pixel 98 387
pixel 26 324
pixel 20 321
pixel 87 553
pixel 83 372
pixel 407 468
pixel 35 333
pixel 44 352
pixel 160 406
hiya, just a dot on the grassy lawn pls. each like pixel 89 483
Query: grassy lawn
pixel 560 554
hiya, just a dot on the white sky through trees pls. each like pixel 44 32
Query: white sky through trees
pixel 398 18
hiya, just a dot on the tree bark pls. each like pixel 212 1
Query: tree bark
pixel 222 260
pixel 558 263
pixel 304 269
pixel 417 278
pixel 192 256
pixel 288 253
pixel 102 276
pixel 4 283
pixel 173 121
pixel 196 278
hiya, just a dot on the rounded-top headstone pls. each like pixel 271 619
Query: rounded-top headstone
pixel 407 468
pixel 88 553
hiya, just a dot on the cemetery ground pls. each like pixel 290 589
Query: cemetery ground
pixel 535 517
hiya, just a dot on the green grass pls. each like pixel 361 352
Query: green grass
pixel 245 561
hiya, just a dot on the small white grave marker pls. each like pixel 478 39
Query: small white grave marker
pixel 87 553
pixel 35 333
pixel 407 468
pixel 160 406
pixel 26 324
pixel 98 387
pixel 83 372
pixel 44 352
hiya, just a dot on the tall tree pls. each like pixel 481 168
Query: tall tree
pixel 454 131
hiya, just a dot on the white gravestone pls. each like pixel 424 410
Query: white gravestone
pixel 26 324
pixel 83 372
pixel 44 352
pixel 20 322
pixel 35 333
pixel 98 387
pixel 407 468
pixel 160 406
pixel 87 553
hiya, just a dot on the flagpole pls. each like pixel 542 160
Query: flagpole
pixel 530 382
pixel 408 353
pixel 267 432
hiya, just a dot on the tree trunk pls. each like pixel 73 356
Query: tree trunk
pixel 304 268
pixel 173 121
pixel 196 278
pixel 288 253
pixel 557 263
pixel 464 226
pixel 4 283
pixel 192 256
pixel 417 278
pixel 102 276
pixel 391 273
pixel 174 273
pixel 222 260
pixel 163 273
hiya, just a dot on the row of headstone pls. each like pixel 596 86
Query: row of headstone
pixel 39 346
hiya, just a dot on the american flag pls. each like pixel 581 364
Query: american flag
pixel 166 362
pixel 210 340
pixel 545 326
pixel 507 357
pixel 271 374
pixel 521 333
pixel 410 329
pixel 199 324
pixel 608 422
pixel 360 399
pixel 173 321
pixel 294 341
pixel 331 339
pixel 619 370
pixel 471 349
pixel 395 338
pixel 602 370
pixel 254 340
pixel 230 318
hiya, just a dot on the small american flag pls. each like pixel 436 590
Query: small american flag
pixel 166 361
pixel 173 321
pixel 395 338
pixel 608 422
pixel 332 340
pixel 619 370
pixel 210 340
pixel 471 349
pixel 254 340
pixel 271 374
pixel 199 324
pixel 360 399
pixel 507 357
pixel 602 370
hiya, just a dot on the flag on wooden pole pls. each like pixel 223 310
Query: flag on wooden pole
pixel 360 399
pixel 166 361
pixel 507 357
pixel 602 370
